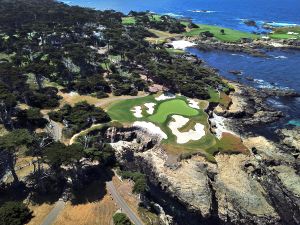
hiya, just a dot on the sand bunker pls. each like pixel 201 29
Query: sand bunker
pixel 150 107
pixel 151 128
pixel 220 127
pixel 182 44
pixel 137 111
pixel 193 104
pixel 165 96
pixel 183 137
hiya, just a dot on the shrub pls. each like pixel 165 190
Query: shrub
pixel 121 219
pixel 14 213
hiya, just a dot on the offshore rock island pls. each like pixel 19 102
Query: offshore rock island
pixel 106 118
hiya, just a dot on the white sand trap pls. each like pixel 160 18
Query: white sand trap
pixel 183 137
pixel 165 96
pixel 73 93
pixel 220 126
pixel 151 128
pixel 182 44
pixel 276 45
pixel 137 111
pixel 193 104
pixel 150 107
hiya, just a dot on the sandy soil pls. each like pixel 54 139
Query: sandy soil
pixel 150 127
pixel 165 97
pixel 193 104
pixel 220 126
pixel 150 107
pixel 137 111
pixel 183 137
pixel 182 44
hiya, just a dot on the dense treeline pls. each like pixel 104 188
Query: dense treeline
pixel 48 48
pixel 79 117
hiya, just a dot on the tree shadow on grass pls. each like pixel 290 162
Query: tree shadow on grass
pixel 94 189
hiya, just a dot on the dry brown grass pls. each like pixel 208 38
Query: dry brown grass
pixel 96 213
pixel 161 36
pixel 125 190
pixel 39 213
pixel 72 99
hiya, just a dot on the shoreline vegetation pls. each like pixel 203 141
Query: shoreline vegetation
pixel 220 33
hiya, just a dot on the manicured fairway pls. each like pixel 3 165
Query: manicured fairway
pixel 176 106
pixel 229 36
pixel 120 111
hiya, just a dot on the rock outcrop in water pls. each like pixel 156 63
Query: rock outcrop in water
pixel 259 188
pixel 248 109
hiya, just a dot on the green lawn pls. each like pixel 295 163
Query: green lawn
pixel 229 36
pixel 214 95
pixel 284 36
pixel 175 51
pixel 176 106
pixel 120 111
pixel 129 20
pixel 208 145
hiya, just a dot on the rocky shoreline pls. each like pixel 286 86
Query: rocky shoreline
pixel 256 48
pixel 237 189
pixel 261 187
pixel 249 109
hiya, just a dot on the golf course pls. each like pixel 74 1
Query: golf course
pixel 182 123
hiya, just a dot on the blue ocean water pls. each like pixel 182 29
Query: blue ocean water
pixel 227 13
pixel 281 70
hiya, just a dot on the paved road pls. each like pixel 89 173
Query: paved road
pixel 54 128
pixel 122 204
pixel 52 216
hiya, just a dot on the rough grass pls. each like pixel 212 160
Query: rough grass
pixel 175 106
pixel 161 36
pixel 214 95
pixel 229 36
pixel 129 20
pixel 39 213
pixel 175 51
pixel 284 36
pixel 229 143
pixel 225 100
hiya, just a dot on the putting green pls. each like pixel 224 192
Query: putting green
pixel 176 106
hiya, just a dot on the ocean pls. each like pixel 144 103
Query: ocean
pixel 227 13
pixel 281 70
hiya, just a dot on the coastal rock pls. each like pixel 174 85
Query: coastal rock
pixel 248 109
pixel 235 72
pixel 185 181
pixel 250 23
pixel 291 137
pixel 241 200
